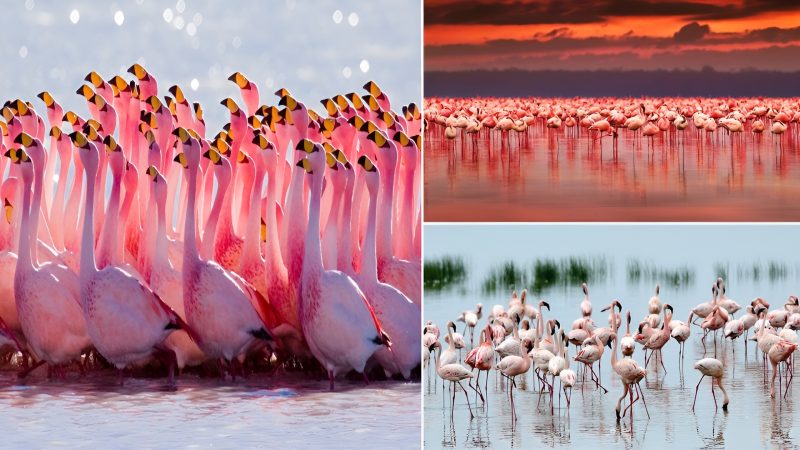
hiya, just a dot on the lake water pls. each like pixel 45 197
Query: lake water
pixel 753 420
pixel 543 175
pixel 260 411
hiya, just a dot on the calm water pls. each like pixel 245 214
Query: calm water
pixel 544 175
pixel 203 413
pixel 754 420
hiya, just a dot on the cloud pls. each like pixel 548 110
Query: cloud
pixel 691 32
pixel 626 51
pixel 527 12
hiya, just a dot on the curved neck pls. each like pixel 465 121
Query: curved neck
pixel 33 213
pixel 274 260
pixel 450 345
pixel 189 237
pixel 160 258
pixel 213 218
pixel 385 217
pixel 369 258
pixel 105 251
pixel 344 260
pixel 312 259
pixel 613 351
pixel 252 248
pixel 24 249
pixel 87 239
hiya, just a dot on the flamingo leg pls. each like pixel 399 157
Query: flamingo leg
pixel 641 395
pixel 471 416
pixel 695 391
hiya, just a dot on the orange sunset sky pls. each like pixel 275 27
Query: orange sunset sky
pixel 727 35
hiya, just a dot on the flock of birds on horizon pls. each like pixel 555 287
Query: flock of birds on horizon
pixel 510 345
pixel 288 240
pixel 607 117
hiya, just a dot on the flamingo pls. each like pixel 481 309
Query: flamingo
pixel 454 373
pixel 126 321
pixel 331 302
pixel 712 368
pixel 50 315
pixel 513 365
pixel 219 303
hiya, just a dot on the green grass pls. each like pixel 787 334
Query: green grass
pixel 542 274
pixel 444 272
pixel 642 271
pixel 772 270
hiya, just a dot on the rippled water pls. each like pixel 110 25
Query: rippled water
pixel 754 420
pixel 544 175
pixel 201 413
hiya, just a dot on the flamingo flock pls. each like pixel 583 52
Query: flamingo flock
pixel 608 117
pixel 512 351
pixel 133 238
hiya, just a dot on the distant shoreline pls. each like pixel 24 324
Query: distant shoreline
pixel 608 83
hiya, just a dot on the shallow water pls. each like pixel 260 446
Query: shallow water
pixel 544 175
pixel 202 413
pixel 754 420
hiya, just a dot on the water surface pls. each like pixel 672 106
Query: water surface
pixel 754 420
pixel 260 411
pixel 554 175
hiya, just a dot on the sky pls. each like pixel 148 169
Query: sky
pixel 724 35
pixel 314 48
pixel 673 244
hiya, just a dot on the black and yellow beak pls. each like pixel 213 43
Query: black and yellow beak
pixel 79 140
pixel 366 163
pixel 371 102
pixel 282 92
pixel 178 94
pixel 339 155
pixel 180 158
pixel 154 103
pixel 138 71
pixel 355 100
pixel 56 132
pixel 94 78
pixel 306 165
pixel 198 111
pixel 214 156
pixel 182 134
pixel 85 91
pixel 46 98
pixel 24 139
pixel 373 89
pixel 230 104
pixel 357 122
pixel 119 84
pixel 289 102
pixel 330 106
pixel 243 158
pixel 341 102
pixel 307 146
pixel 262 142
pixel 401 138
pixel 153 173
pixel 111 145
pixel 240 80
pixel 387 118
pixel 330 160
pixel 378 138
pixel 149 118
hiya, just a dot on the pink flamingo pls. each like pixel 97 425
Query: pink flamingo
pixel 339 323
pixel 218 302
pixel 125 319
